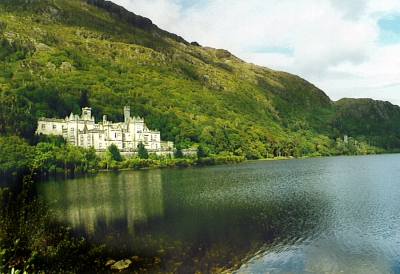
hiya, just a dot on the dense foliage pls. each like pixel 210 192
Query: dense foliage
pixel 42 246
pixel 58 56
pixel 50 156
pixel 375 122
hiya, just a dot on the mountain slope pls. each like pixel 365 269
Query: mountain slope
pixel 61 55
pixel 375 121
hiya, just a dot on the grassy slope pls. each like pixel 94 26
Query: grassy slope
pixel 191 93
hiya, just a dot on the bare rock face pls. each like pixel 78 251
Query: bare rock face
pixel 120 265
pixel 53 11
pixel 221 54
pixel 42 47
pixel 66 66
pixel 109 262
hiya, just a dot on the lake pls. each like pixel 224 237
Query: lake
pixel 313 215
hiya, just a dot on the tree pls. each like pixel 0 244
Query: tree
pixel 84 99
pixel 201 153
pixel 75 157
pixel 91 158
pixel 15 116
pixel 115 154
pixel 45 157
pixel 142 151
pixel 178 153
pixel 16 156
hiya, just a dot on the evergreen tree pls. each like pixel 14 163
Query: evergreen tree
pixel 115 154
pixel 142 151
pixel 201 153
pixel 84 99
pixel 178 153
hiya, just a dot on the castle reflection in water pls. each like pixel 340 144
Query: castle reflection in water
pixel 86 204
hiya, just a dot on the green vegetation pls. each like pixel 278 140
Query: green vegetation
pixel 142 151
pixel 374 122
pixel 50 156
pixel 42 246
pixel 115 153
pixel 60 55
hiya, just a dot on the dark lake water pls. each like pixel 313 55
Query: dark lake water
pixel 315 215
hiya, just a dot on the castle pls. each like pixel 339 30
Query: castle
pixel 83 131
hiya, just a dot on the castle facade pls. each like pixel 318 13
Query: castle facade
pixel 83 131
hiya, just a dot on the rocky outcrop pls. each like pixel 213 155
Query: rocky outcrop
pixel 120 265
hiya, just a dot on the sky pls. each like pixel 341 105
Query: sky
pixel 347 48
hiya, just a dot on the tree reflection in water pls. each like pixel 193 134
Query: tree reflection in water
pixel 184 221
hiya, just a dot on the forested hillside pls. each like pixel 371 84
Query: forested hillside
pixel 58 56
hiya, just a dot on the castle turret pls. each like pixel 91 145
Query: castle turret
pixel 86 113
pixel 127 114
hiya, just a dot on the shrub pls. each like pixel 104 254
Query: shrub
pixel 31 241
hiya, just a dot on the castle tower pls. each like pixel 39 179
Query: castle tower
pixel 86 113
pixel 127 114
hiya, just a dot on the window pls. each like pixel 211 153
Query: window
pixel 43 126
pixel 54 126
pixel 100 136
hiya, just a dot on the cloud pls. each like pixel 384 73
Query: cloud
pixel 351 9
pixel 319 40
